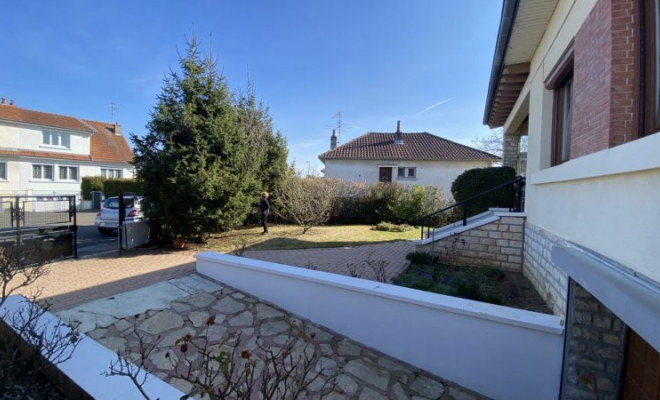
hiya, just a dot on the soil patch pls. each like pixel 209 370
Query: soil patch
pixel 510 289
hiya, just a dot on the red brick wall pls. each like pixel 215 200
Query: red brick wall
pixel 605 74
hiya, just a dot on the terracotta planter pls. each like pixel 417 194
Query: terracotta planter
pixel 178 243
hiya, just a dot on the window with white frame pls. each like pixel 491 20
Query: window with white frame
pixel 3 170
pixel 111 173
pixel 407 172
pixel 68 173
pixel 56 139
pixel 42 172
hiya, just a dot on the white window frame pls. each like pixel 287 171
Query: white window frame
pixel 3 176
pixel 112 173
pixel 42 179
pixel 51 134
pixel 68 173
pixel 406 173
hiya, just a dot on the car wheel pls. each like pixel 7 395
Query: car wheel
pixel 105 231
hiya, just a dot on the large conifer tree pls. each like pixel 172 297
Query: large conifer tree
pixel 201 159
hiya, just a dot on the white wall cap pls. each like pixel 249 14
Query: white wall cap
pixel 505 315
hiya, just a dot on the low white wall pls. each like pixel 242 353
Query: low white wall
pixel 91 360
pixel 136 234
pixel 500 352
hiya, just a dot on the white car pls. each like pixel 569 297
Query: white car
pixel 107 219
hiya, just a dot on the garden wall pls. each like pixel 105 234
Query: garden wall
pixel 498 244
pixel 500 352
pixel 82 376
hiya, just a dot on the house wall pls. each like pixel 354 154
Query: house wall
pixel 429 173
pixel 600 198
pixel 19 174
pixel 28 137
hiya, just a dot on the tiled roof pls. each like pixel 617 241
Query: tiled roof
pixel 415 146
pixel 105 145
pixel 11 113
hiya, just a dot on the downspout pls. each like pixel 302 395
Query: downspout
pixel 509 9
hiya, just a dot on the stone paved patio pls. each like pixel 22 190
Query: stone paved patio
pixel 182 305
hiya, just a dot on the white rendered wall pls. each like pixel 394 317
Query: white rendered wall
pixel 429 173
pixel 28 137
pixel 91 360
pixel 500 352
pixel 605 201
pixel 601 201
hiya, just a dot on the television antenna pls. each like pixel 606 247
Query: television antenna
pixel 113 108
pixel 338 125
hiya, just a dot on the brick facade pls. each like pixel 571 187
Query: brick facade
pixel 595 349
pixel 605 78
pixel 548 279
pixel 498 244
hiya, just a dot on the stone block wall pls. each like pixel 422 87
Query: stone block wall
pixel 498 244
pixel 595 349
pixel 549 280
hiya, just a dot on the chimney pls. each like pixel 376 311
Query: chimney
pixel 11 103
pixel 333 140
pixel 4 101
pixel 117 129
pixel 398 136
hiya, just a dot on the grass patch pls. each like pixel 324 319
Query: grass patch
pixel 290 237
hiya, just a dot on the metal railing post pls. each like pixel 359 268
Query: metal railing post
pixel 72 209
pixel 464 214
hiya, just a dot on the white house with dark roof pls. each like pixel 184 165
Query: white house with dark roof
pixel 43 154
pixel 406 158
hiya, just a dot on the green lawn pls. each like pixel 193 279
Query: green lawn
pixel 286 237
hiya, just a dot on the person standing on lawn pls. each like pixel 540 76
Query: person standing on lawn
pixel 264 205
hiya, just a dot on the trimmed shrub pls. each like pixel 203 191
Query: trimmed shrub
pixel 420 257
pixel 360 203
pixel 474 181
pixel 112 187
pixel 90 184
pixel 390 227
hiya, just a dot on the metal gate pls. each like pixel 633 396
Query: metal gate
pixel 43 228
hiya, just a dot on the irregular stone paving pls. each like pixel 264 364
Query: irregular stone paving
pixel 361 373
pixel 359 260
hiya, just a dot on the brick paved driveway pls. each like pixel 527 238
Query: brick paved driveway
pixel 73 282
pixel 340 260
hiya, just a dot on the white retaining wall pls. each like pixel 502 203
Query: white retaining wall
pixel 498 351
pixel 91 360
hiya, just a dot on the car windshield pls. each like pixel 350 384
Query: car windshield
pixel 113 203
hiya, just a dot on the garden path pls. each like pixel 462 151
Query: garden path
pixel 389 257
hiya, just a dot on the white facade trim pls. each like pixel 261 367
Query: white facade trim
pixel 636 156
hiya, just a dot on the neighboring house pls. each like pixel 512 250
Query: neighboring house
pixel 407 158
pixel 581 78
pixel 44 154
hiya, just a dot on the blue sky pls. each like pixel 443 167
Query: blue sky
pixel 376 61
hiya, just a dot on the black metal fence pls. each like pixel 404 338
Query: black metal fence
pixel 47 225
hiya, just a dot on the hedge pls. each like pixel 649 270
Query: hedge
pixel 478 180
pixel 89 184
pixel 112 187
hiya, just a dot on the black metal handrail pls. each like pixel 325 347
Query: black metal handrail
pixel 516 187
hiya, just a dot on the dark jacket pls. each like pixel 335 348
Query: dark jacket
pixel 264 205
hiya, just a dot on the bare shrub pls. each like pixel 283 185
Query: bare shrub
pixel 378 267
pixel 28 341
pixel 230 370
pixel 305 200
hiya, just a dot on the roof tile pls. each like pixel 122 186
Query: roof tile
pixel 415 146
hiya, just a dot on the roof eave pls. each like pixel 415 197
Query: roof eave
pixel 509 10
